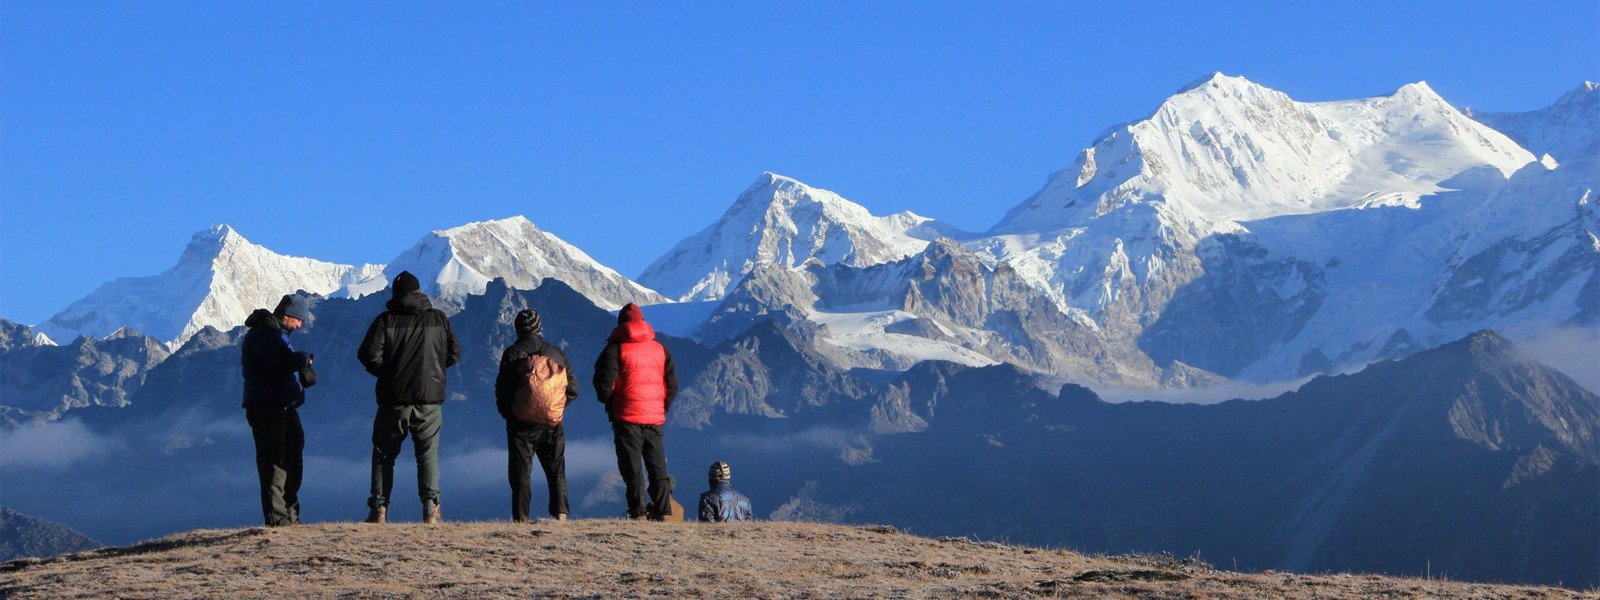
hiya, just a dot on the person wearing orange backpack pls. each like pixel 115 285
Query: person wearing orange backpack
pixel 636 381
pixel 530 370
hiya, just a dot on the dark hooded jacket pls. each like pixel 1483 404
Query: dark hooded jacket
pixel 514 373
pixel 634 376
pixel 269 364
pixel 409 347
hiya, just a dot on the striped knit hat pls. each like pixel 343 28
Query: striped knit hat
pixel 720 472
pixel 527 322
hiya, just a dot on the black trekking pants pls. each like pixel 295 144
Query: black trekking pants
pixel 550 445
pixel 633 443
pixel 280 444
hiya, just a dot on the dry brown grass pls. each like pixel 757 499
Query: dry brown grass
pixel 631 559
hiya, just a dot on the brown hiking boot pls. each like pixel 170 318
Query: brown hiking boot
pixel 378 514
pixel 431 516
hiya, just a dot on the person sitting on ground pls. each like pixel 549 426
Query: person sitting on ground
pixel 722 503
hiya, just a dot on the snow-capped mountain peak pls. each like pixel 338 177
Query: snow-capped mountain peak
pixel 218 280
pixel 781 221
pixel 1225 150
pixel 453 263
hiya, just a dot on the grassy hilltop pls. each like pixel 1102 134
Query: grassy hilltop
pixel 606 558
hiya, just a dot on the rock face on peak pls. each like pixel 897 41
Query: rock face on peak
pixel 219 279
pixel 42 382
pixel 457 262
pixel 1567 130
pixel 783 222
pixel 1451 457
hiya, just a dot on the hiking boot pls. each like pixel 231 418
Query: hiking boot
pixel 378 514
pixel 431 516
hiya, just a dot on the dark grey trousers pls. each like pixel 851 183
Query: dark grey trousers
pixel 389 430
pixel 280 444
pixel 636 442
pixel 550 445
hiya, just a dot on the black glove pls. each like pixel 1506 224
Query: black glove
pixel 307 375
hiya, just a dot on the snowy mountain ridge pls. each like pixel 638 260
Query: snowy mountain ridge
pixel 221 277
pixel 1233 232
pixel 781 221
pixel 218 280
pixel 1225 150
pixel 457 262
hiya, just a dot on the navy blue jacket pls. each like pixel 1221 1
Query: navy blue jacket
pixel 722 503
pixel 269 364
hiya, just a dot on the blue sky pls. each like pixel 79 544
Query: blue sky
pixel 346 131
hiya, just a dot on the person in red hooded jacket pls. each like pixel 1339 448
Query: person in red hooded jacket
pixel 635 380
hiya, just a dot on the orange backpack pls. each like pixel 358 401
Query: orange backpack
pixel 541 399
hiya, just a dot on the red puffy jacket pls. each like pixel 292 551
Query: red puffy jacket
pixel 634 376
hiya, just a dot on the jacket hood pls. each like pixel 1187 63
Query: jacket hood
pixel 629 313
pixel 263 318
pixel 632 331
pixel 414 303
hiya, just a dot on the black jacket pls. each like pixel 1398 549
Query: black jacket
pixel 269 364
pixel 514 371
pixel 409 347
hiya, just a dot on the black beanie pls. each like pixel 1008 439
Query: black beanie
pixel 405 283
pixel 527 322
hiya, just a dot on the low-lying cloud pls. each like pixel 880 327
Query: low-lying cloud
pixel 1574 351
pixel 1209 395
pixel 53 445
pixel 815 438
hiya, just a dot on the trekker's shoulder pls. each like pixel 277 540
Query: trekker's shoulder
pixel 512 353
pixel 554 352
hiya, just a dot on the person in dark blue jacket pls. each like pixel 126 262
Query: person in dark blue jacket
pixel 722 503
pixel 274 376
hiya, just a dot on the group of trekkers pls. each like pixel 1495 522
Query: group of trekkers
pixel 409 347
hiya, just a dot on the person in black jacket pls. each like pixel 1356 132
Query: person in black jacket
pixel 524 440
pixel 408 348
pixel 272 393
